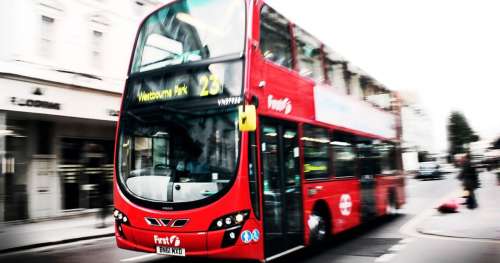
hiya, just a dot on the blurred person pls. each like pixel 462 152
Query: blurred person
pixel 470 181
pixel 498 177
pixel 497 170
pixel 95 158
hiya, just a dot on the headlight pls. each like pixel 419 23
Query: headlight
pixel 120 217
pixel 230 220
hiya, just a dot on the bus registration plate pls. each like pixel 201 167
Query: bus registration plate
pixel 172 251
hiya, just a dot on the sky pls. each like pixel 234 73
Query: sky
pixel 448 51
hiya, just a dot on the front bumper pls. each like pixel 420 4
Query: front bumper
pixel 198 244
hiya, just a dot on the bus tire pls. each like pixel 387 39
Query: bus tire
pixel 319 226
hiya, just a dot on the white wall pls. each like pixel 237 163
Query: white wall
pixel 417 129
pixel 72 39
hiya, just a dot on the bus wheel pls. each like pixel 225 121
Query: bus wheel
pixel 318 228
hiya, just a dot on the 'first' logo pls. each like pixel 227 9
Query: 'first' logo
pixel 169 241
pixel 283 105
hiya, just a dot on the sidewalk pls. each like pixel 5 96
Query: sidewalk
pixel 480 223
pixel 16 237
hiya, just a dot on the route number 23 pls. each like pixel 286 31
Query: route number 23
pixel 210 85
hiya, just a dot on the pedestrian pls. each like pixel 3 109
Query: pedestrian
pixel 95 159
pixel 470 181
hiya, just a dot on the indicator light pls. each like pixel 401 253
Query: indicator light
pixel 228 220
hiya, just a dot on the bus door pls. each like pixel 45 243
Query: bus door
pixel 367 164
pixel 282 196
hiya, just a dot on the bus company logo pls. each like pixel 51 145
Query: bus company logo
pixel 169 241
pixel 345 204
pixel 283 105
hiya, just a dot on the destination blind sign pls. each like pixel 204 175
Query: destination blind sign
pixel 222 80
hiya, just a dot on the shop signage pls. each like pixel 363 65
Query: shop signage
pixel 35 103
pixel 20 96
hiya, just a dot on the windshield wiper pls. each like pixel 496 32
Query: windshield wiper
pixel 134 116
pixel 158 61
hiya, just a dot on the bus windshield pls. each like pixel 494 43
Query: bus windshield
pixel 190 30
pixel 183 158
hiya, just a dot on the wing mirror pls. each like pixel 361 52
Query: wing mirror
pixel 247 117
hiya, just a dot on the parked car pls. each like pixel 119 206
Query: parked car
pixel 447 168
pixel 428 170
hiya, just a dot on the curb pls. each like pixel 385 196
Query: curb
pixel 39 245
pixel 457 237
pixel 62 216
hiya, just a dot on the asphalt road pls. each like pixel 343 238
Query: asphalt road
pixel 388 240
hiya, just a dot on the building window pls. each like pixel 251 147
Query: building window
pixel 139 7
pixel 309 55
pixel 316 160
pixel 275 39
pixel 99 25
pixel 97 39
pixel 50 11
pixel 46 35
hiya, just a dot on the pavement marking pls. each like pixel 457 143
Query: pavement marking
pixel 138 257
pixel 397 247
pixel 52 248
pixel 406 240
pixel 385 257
pixel 410 228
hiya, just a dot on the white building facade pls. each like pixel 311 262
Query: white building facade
pixel 62 70
pixel 417 129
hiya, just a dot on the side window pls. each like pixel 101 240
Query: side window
pixel 344 155
pixel 315 152
pixel 388 162
pixel 309 55
pixel 275 39
pixel 368 157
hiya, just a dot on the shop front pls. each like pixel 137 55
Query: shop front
pixel 49 132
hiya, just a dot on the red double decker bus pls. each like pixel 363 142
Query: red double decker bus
pixel 242 136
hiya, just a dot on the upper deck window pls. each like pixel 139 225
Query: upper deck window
pixel 309 55
pixel 275 37
pixel 190 30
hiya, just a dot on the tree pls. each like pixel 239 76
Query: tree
pixel 496 144
pixel 460 133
